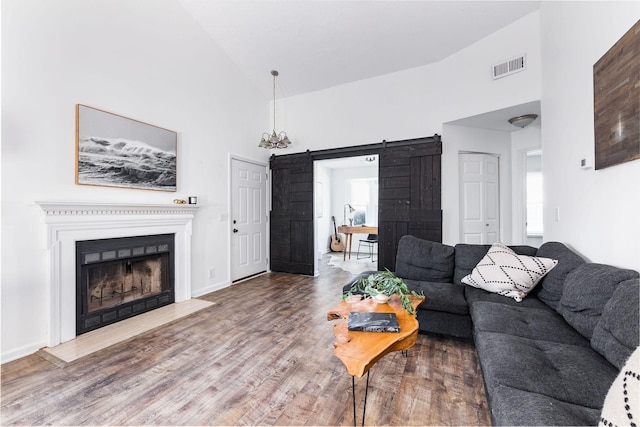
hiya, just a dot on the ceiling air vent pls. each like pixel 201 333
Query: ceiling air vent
pixel 509 67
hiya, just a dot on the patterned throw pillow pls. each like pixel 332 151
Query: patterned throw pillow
pixel 621 404
pixel 504 272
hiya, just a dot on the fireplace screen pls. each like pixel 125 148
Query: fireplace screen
pixel 120 278
pixel 114 284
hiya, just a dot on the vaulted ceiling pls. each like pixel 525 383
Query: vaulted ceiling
pixel 317 44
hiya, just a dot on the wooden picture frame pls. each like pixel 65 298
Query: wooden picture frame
pixel 616 93
pixel 115 151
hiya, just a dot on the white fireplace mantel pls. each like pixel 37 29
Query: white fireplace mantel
pixel 70 222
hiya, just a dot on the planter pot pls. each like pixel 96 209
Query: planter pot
pixel 381 298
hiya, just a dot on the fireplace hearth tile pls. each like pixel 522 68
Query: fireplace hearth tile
pixel 99 339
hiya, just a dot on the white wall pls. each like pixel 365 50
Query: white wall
pixel 144 59
pixel 599 210
pixel 416 102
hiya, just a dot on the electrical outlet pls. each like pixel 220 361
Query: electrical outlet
pixel 212 273
pixel 586 162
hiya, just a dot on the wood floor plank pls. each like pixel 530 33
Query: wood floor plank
pixel 262 355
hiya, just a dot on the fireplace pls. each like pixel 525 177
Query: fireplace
pixel 121 278
pixel 70 222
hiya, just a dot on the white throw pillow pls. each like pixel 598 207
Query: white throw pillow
pixel 504 272
pixel 621 406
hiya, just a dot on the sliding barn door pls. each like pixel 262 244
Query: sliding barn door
pixel 292 214
pixel 410 200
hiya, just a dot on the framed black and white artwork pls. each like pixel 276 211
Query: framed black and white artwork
pixel 115 151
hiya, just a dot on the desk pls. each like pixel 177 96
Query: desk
pixel 350 231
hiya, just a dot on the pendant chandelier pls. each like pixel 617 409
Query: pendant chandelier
pixel 275 140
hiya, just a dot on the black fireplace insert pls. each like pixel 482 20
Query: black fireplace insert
pixel 123 277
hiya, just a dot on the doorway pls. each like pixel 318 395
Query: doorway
pixel 479 198
pixel 534 200
pixel 248 219
pixel 346 193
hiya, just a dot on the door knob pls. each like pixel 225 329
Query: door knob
pixel 235 230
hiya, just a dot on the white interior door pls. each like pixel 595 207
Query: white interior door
pixel 479 199
pixel 248 219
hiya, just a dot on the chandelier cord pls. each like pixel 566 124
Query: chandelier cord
pixel 274 103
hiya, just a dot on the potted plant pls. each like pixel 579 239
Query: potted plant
pixel 380 286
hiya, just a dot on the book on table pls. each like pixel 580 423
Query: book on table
pixel 373 322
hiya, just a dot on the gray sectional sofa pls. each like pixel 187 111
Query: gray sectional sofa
pixel 547 360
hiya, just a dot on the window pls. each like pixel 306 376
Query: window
pixel 363 202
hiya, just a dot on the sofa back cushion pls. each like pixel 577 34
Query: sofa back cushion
pixel 586 291
pixel 468 256
pixel 419 259
pixel 617 333
pixel 550 288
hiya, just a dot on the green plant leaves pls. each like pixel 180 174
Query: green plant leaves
pixel 383 282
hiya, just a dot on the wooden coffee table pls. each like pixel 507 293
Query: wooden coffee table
pixel 359 351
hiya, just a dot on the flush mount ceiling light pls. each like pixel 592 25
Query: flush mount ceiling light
pixel 275 140
pixel 523 121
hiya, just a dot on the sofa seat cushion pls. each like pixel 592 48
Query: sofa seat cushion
pixel 586 291
pixel 534 323
pixel 474 295
pixel 420 259
pixel 513 407
pixel 617 333
pixel 467 256
pixel 445 297
pixel 445 323
pixel 551 286
pixel 570 373
pixel 506 273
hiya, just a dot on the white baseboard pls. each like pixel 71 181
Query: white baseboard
pixel 21 352
pixel 209 289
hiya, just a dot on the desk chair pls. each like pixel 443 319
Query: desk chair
pixel 371 240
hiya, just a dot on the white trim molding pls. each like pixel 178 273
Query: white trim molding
pixel 70 222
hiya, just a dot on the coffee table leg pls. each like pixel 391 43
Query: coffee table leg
pixel 353 394
pixel 366 391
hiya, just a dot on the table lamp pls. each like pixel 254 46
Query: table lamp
pixel 351 210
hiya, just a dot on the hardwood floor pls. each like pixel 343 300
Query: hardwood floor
pixel 262 355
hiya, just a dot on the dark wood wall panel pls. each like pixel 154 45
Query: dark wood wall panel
pixel 389 234
pixel 409 196
pixel 291 219
pixel 409 200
